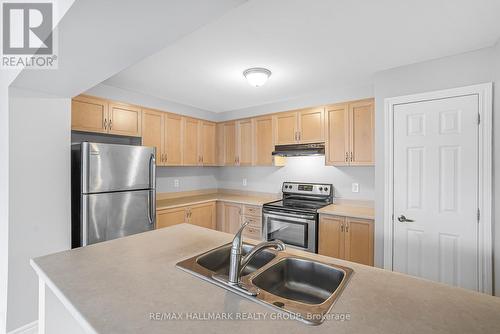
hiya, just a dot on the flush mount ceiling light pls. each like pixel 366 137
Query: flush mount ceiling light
pixel 257 76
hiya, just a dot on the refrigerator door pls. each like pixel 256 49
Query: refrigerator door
pixel 109 167
pixel 109 216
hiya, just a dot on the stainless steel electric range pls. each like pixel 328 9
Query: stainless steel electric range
pixel 294 219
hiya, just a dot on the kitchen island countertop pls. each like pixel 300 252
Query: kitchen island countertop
pixel 131 285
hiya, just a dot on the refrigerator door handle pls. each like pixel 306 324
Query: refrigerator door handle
pixel 152 190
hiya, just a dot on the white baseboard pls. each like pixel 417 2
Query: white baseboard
pixel 31 328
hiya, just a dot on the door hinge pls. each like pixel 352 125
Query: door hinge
pixel 478 214
pixel 478 118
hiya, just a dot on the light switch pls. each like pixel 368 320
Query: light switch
pixel 176 183
pixel 355 187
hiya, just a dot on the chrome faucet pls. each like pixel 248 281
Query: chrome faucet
pixel 237 264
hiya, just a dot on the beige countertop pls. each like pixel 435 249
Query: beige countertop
pixel 349 210
pixel 115 285
pixel 258 200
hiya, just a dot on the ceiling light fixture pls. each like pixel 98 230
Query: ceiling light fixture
pixel 257 76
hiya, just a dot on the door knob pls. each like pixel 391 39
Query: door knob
pixel 403 219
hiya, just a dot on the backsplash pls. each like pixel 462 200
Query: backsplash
pixel 270 179
pixel 301 169
pixel 189 178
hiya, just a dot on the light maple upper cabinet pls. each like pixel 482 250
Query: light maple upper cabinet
pixel 219 144
pixel 172 144
pixel 207 143
pixel 300 126
pixel 362 125
pixel 89 114
pixel 264 145
pixel 229 129
pixel 153 131
pixel 346 238
pixel 124 119
pixel 285 131
pixel 337 132
pixel 350 134
pixel 311 127
pixel 190 156
pixel 244 132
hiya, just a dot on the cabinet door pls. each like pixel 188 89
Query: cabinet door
pixel 359 241
pixel 169 217
pixel 331 236
pixel 190 142
pixel 362 124
pixel 89 114
pixel 229 144
pixel 312 125
pixel 124 120
pixel 232 217
pixel 152 132
pixel 264 144
pixel 203 215
pixel 219 147
pixel 172 145
pixel 285 131
pixel 337 135
pixel 207 144
pixel 245 144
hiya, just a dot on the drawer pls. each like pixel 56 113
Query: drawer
pixel 252 233
pixel 250 210
pixel 255 222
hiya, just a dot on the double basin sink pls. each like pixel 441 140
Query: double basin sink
pixel 305 288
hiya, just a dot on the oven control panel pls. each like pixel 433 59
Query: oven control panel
pixel 307 188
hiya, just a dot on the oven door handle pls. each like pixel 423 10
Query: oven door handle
pixel 296 218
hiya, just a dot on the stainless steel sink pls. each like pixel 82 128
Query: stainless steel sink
pixel 217 260
pixel 305 288
pixel 300 280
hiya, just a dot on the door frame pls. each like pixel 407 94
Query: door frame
pixel 485 250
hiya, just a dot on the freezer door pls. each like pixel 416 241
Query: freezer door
pixel 109 167
pixel 109 216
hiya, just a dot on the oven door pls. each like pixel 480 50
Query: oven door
pixel 294 229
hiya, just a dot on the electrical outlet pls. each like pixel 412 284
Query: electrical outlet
pixel 245 182
pixel 176 183
pixel 355 187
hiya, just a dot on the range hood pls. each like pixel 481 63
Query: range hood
pixel 295 150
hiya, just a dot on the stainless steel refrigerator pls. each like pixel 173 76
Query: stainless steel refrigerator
pixel 113 191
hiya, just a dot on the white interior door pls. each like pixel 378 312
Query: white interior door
pixel 436 189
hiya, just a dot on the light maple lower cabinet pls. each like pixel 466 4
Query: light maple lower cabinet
pixel 203 215
pixel 346 238
pixel 231 217
pixel 169 217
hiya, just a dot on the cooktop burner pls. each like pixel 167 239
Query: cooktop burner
pixel 298 204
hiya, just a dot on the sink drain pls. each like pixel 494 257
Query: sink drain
pixel 279 304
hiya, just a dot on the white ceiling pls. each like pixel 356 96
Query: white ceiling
pixel 308 45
